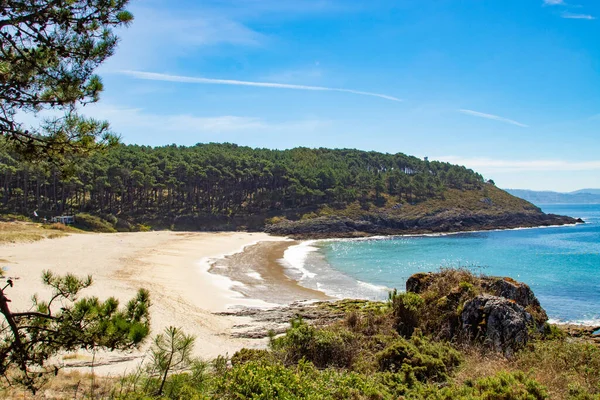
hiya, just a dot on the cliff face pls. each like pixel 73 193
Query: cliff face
pixel 458 211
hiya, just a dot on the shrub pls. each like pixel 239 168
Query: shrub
pixel 275 220
pixel 332 346
pixel 506 385
pixel 407 308
pixel 425 359
pixel 251 355
pixel 92 223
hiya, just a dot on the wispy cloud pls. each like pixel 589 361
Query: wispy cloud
pixel 161 36
pixel 493 117
pixel 554 2
pixel 197 80
pixel 569 15
pixel 488 165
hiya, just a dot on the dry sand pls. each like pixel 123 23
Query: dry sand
pixel 172 266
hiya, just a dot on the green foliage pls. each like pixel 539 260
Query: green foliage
pixel 247 355
pixel 29 339
pixel 50 50
pixel 303 381
pixel 92 223
pixel 407 308
pixel 223 181
pixel 426 360
pixel 323 347
pixel 170 352
pixel 504 385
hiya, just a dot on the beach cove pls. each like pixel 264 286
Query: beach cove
pixel 173 266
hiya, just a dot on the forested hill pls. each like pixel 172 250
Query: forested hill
pixel 225 186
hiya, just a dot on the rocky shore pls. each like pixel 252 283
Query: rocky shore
pixel 389 224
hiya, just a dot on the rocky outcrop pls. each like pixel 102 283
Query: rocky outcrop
pixel 497 321
pixel 389 224
pixel 500 312
pixel 518 292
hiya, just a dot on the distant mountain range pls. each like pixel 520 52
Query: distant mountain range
pixel 583 196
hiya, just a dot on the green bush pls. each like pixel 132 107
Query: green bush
pixel 332 346
pixel 426 360
pixel 303 381
pixel 506 385
pixel 407 308
pixel 247 355
pixel 92 223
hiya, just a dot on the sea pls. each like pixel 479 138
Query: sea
pixel 560 264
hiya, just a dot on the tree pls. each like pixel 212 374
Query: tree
pixel 48 54
pixel 171 352
pixel 29 339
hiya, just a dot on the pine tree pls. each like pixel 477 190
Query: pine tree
pixel 48 54
pixel 29 339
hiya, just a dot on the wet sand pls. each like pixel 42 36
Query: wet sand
pixel 259 274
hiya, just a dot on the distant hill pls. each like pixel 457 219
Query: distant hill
pixel 583 196
pixel 590 191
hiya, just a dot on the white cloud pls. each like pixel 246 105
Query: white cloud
pixel 489 165
pixel 493 117
pixel 568 15
pixel 197 80
pixel 160 36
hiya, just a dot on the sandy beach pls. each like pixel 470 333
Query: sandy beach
pixel 174 267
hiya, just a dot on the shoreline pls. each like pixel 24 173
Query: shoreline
pixel 257 272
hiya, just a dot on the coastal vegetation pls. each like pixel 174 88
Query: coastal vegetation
pixel 369 353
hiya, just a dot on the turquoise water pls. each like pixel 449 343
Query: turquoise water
pixel 562 264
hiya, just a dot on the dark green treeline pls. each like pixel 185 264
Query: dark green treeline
pixel 221 179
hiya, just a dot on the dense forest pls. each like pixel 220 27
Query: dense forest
pixel 220 179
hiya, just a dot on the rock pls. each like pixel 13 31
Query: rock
pixel 497 321
pixel 418 282
pixel 518 292
pixel 384 223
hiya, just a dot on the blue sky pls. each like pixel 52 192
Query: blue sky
pixel 509 88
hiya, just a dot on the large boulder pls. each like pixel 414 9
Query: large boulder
pixel 518 292
pixel 496 321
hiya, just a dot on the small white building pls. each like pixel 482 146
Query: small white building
pixel 64 219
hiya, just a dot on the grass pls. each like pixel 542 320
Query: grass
pixel 24 232
pixel 569 369
pixel 489 201
pixel 18 232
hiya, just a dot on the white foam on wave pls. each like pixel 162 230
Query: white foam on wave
pixel 294 257
pixel 440 234
pixel 581 322
pixel 376 288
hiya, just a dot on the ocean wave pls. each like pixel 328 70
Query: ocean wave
pixel 294 258
pixel 581 322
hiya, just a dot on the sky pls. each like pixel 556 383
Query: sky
pixel 509 88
